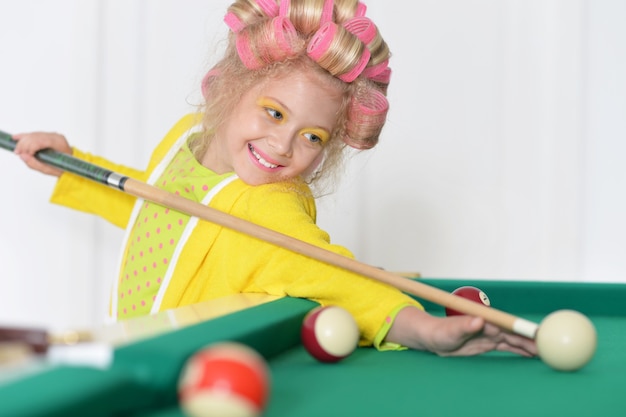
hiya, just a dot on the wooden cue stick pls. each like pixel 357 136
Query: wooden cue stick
pixel 148 192
pixel 39 340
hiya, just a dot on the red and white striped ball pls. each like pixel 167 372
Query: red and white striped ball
pixel 329 333
pixel 471 293
pixel 226 379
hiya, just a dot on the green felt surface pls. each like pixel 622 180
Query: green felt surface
pixel 142 380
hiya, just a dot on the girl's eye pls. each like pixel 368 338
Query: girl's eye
pixel 312 138
pixel 274 114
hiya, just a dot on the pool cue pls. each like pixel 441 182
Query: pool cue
pixel 39 340
pixel 151 193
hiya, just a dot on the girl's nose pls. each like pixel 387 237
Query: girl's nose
pixel 282 143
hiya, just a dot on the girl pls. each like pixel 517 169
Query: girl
pixel 300 80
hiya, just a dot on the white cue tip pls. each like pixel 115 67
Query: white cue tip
pixel 525 328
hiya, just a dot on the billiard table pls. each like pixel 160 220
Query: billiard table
pixel 148 354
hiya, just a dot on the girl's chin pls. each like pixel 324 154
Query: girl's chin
pixel 253 174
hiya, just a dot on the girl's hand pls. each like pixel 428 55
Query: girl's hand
pixel 454 336
pixel 29 143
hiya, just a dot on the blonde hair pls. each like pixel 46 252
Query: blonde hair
pixel 333 39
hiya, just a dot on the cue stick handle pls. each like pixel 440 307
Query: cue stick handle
pixel 69 163
pixel 39 340
pixel 151 193
pixel 35 339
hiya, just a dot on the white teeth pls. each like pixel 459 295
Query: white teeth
pixel 261 160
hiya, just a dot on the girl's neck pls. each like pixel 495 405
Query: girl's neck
pixel 211 159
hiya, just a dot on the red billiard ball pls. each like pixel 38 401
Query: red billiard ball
pixel 471 293
pixel 329 333
pixel 226 379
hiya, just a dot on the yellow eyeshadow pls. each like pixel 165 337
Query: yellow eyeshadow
pixel 267 103
pixel 320 133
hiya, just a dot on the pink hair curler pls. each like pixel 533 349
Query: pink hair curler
pixel 375 70
pixel 233 22
pixel 366 117
pixel 361 27
pixel 373 104
pixel 320 42
pixel 244 50
pixel 284 31
pixel 269 7
pixel 384 77
pixel 358 68
pixel 274 47
pixel 360 10
pixel 327 11
pixel 207 80
pixel 284 8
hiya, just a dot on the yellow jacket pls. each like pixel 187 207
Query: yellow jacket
pixel 216 261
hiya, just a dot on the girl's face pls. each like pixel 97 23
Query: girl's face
pixel 277 131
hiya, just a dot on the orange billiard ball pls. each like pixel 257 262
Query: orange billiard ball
pixel 329 333
pixel 226 379
pixel 471 293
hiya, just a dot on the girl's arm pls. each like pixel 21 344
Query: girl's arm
pixel 91 197
pixel 83 194
pixel 74 191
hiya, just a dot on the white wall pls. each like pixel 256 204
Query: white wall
pixel 473 178
pixel 604 174
pixel 48 81
pixel 501 158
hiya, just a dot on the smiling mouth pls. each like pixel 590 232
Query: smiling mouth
pixel 260 158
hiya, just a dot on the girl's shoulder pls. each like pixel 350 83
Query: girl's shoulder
pixel 184 127
pixel 286 200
